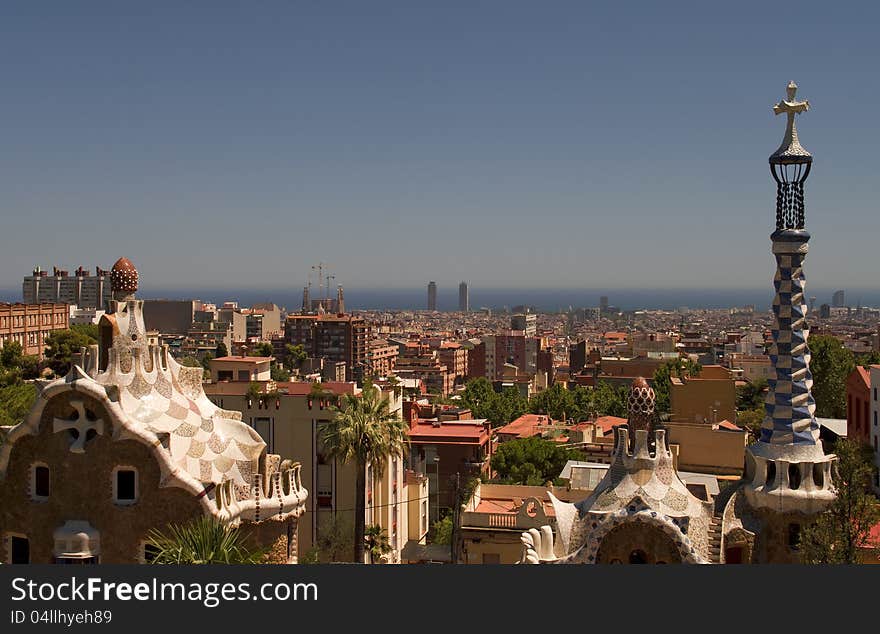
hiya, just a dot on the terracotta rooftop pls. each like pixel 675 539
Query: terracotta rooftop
pixel 454 431
pixel 233 359
pixel 526 425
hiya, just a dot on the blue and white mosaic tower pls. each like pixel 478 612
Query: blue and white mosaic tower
pixel 787 470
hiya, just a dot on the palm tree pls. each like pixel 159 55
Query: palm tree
pixel 202 541
pixel 364 431
pixel 376 542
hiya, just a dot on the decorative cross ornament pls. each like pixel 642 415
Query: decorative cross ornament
pixel 79 423
pixel 789 105
pixel 790 150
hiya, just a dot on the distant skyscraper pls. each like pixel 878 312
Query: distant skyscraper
pixel 432 295
pixel 603 303
pixel 463 302
pixel 838 300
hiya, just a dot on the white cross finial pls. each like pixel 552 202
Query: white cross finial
pixel 791 148
pixel 82 421
pixel 789 105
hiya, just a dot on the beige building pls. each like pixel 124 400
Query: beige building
pixel 709 397
pixel 718 449
pixel 492 521
pixel 288 418
pixel 31 324
pixel 80 289
pixel 240 369
pixel 753 366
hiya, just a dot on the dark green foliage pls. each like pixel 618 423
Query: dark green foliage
pixel 838 535
pixel 376 542
pixel 507 406
pixel 751 420
pixel 478 396
pixel 279 373
pixel 751 395
pixel 189 362
pixel 531 461
pixel 611 401
pixel 16 401
pixel 262 349
pixel 442 531
pixel 61 345
pixel 294 355
pixel 578 403
pixel 203 541
pixel 222 351
pixel 830 364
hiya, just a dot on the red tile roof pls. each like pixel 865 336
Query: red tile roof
pixel 449 431
pixel 525 426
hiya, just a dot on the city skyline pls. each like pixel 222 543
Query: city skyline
pixel 267 142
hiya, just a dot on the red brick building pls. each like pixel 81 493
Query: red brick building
pixel 31 324
pixel 858 405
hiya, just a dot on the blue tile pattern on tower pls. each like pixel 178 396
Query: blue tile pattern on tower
pixel 790 407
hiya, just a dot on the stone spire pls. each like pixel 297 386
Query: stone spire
pixel 787 468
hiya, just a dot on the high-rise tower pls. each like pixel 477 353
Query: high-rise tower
pixel 463 300
pixel 787 470
pixel 432 296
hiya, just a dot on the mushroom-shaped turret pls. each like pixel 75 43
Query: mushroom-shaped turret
pixel 124 277
pixel 641 405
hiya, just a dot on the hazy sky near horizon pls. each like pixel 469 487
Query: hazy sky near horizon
pixel 504 143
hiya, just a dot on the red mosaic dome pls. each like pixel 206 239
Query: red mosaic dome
pixel 123 276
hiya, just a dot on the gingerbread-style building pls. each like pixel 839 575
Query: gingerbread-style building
pixel 128 442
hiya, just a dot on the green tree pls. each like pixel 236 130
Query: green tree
pixel 751 395
pixel 751 420
pixel 279 373
pixel 61 345
pixel 335 540
pixel 16 401
pixel 10 355
pixel 531 461
pixel 509 405
pixel 611 401
pixel 14 365
pixel 556 402
pixel 844 529
pixel 202 541
pixel 479 396
pixel 442 531
pixel 376 542
pixel 262 349
pixel 294 356
pixel 363 431
pixel 222 350
pixel 830 364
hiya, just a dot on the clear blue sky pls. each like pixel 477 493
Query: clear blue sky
pixel 506 143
